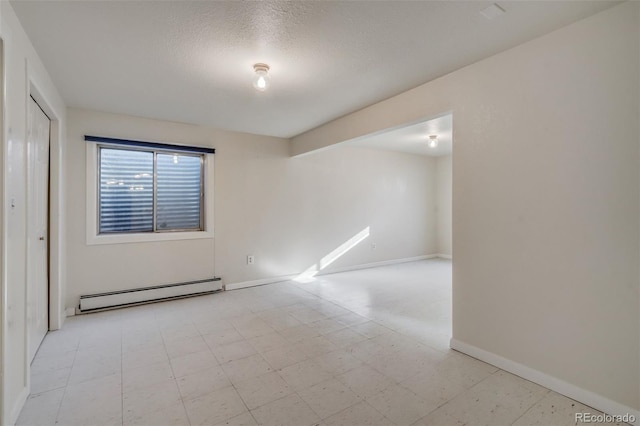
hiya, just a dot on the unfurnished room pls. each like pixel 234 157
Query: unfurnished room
pixel 307 213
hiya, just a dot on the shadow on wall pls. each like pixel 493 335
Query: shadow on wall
pixel 308 275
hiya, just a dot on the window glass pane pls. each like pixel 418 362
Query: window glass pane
pixel 126 190
pixel 179 185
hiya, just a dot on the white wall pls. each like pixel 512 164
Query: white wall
pixel 444 195
pixel 288 213
pixel 546 202
pixel 22 70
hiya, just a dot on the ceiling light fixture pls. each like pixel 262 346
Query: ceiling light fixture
pixel 261 79
pixel 433 141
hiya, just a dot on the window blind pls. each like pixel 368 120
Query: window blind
pixel 126 191
pixel 179 192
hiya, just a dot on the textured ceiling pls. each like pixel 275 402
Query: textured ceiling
pixel 192 61
pixel 413 139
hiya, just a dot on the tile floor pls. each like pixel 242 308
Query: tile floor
pixel 366 347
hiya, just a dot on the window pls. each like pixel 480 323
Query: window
pixel 149 191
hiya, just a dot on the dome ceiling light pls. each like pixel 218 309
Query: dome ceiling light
pixel 261 78
pixel 433 141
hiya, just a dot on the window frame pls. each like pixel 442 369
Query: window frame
pixel 93 235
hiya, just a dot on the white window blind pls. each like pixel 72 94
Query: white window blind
pixel 126 191
pixel 179 192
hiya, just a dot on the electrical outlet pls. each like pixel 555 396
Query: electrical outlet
pixel 251 260
pixel 373 246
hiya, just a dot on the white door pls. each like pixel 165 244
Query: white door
pixel 37 226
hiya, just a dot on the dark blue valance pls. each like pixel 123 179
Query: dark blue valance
pixel 150 145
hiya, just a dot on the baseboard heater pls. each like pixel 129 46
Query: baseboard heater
pixel 138 296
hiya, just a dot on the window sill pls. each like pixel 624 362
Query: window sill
pixel 148 237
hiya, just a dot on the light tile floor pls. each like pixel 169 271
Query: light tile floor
pixel 366 347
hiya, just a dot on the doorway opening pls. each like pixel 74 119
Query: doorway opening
pixel 424 298
pixel 389 197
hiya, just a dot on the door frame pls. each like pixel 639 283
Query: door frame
pixel 56 310
pixel 33 80
pixel 3 280
pixel 54 251
pixel 31 169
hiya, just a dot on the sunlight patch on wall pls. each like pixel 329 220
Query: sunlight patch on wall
pixel 309 274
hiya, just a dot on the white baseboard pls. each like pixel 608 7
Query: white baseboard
pixel 377 264
pixel 560 386
pixel 17 407
pixel 444 256
pixel 263 281
pixel 62 317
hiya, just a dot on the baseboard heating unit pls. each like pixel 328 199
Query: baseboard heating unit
pixel 138 296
